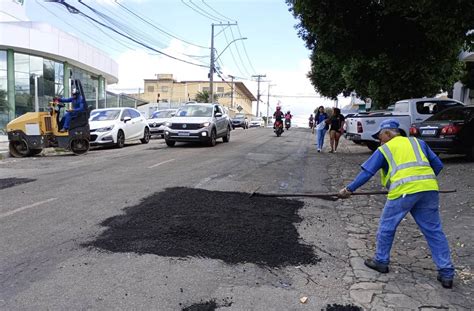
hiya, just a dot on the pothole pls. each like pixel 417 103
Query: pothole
pixel 230 226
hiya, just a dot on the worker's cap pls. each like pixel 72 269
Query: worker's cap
pixel 386 125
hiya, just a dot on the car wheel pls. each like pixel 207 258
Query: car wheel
pixel 120 139
pixel 170 143
pixel 212 139
pixel 146 136
pixel 162 136
pixel 373 145
pixel 226 138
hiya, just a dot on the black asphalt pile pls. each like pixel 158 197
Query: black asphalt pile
pixel 10 182
pixel 187 222
pixel 336 307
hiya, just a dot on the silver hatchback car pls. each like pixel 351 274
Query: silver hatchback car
pixel 198 122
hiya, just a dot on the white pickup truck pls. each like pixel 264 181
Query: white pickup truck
pixel 362 126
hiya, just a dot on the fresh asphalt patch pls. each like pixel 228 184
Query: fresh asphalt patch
pixel 337 307
pixel 11 182
pixel 230 226
pixel 210 305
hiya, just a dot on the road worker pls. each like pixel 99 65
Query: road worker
pixel 408 169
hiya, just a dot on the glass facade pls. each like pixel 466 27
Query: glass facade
pixel 4 110
pixel 33 73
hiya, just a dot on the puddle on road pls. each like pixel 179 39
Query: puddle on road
pixel 230 226
pixel 11 182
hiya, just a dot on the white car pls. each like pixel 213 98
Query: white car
pixel 256 122
pixel 116 126
pixel 157 121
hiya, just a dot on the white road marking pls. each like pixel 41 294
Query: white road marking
pixel 161 163
pixel 25 208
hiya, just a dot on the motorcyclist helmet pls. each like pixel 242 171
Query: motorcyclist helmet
pixel 278 108
pixel 288 112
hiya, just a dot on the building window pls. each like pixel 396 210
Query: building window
pixel 150 89
pixel 164 88
pixel 220 89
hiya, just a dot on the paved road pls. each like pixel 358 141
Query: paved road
pixel 44 223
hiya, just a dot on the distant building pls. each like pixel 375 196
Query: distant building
pixel 165 92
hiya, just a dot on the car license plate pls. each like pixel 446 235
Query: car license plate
pixel 183 133
pixel 429 132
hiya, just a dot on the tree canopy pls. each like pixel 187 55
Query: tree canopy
pixel 204 97
pixel 385 50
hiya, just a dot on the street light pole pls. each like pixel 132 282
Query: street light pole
pixel 232 92
pixel 268 101
pixel 211 65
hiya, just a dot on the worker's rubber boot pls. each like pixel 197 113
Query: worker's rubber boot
pixel 372 264
pixel 446 283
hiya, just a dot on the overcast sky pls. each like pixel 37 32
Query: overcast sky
pixel 272 46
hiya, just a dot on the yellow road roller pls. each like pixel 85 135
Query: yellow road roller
pixel 33 131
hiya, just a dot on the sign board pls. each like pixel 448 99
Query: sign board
pixel 239 108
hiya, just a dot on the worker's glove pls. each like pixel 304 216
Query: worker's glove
pixel 55 99
pixel 344 193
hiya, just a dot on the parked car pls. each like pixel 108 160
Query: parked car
pixel 203 122
pixel 157 121
pixel 449 131
pixel 362 126
pixel 116 126
pixel 256 122
pixel 240 120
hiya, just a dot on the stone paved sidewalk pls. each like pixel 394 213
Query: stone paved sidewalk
pixel 411 283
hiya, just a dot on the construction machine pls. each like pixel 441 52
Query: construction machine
pixel 33 131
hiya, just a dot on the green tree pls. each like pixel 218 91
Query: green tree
pixel 385 50
pixel 203 97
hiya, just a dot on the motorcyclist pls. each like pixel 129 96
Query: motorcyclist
pixel 311 121
pixel 78 105
pixel 288 115
pixel 278 115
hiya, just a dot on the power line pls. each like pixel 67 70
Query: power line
pixel 199 11
pixel 158 28
pixel 226 18
pixel 238 53
pixel 74 10
pixel 245 50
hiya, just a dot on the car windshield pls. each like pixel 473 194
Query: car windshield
pixel 239 116
pixel 162 114
pixel 256 119
pixel 453 114
pixel 195 111
pixel 104 115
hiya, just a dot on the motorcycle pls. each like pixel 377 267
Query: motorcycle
pixel 287 124
pixel 278 128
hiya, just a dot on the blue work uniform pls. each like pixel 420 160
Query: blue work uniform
pixel 423 206
pixel 78 105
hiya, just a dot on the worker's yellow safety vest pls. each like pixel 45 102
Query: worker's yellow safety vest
pixel 409 170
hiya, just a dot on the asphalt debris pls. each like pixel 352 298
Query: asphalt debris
pixel 210 305
pixel 338 307
pixel 230 226
pixel 11 182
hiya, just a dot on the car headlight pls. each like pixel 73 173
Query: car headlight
pixel 105 129
pixel 168 124
pixel 205 124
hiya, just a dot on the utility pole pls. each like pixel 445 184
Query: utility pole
pixel 268 101
pixel 259 77
pixel 211 65
pixel 232 92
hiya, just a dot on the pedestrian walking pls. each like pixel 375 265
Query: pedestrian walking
pixel 321 127
pixel 337 127
pixel 409 169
